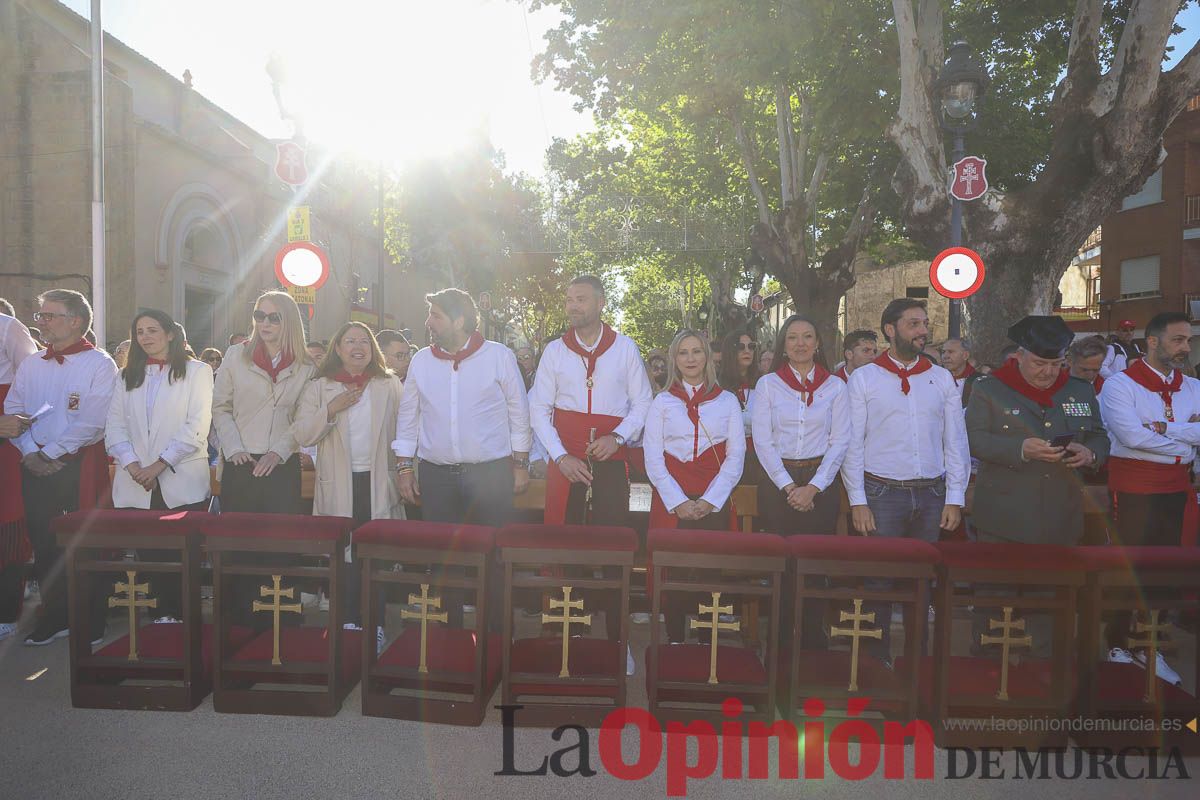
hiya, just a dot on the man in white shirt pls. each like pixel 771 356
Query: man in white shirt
pixel 859 348
pixel 1152 414
pixel 907 466
pixel 1122 350
pixel 397 352
pixel 63 460
pixel 15 346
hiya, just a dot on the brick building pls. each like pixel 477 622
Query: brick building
pixel 194 213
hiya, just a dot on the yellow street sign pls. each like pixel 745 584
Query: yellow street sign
pixel 303 294
pixel 298 226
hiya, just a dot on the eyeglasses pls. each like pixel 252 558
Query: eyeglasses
pixel 261 316
pixel 745 346
pixel 47 316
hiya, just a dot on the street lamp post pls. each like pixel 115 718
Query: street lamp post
pixel 961 82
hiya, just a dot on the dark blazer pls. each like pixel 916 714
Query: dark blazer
pixel 1030 501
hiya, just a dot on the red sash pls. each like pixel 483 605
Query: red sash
pixel 59 355
pixel 1134 476
pixel 808 388
pixel 693 478
pixel 1097 384
pixel 885 361
pixel 607 337
pixel 575 431
pixel 474 342
pixel 263 360
pixel 692 404
pixel 968 371
pixel 14 544
pixel 1010 375
pixel 841 373
pixel 1144 376
pixel 357 381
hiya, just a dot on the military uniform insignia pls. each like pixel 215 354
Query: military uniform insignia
pixel 1077 409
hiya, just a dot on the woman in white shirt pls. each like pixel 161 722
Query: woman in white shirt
pixel 157 431
pixel 695 444
pixel 348 412
pixel 801 424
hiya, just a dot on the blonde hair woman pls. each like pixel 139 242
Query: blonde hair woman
pixel 254 403
pixel 695 445
pixel 348 412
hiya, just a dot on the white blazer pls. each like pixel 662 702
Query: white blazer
pixel 181 417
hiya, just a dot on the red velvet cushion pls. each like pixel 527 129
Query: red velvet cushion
pixel 587 657
pixel 276 526
pixel 450 655
pixel 299 645
pixel 129 522
pixel 724 543
pixel 989 555
pixel 832 668
pixel 690 663
pixel 1103 558
pixel 568 537
pixel 972 677
pixel 1125 684
pixel 427 535
pixel 863 548
pixel 165 640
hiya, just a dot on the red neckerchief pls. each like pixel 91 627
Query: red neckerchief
pixel 841 373
pixel 357 381
pixel 60 355
pixel 1010 375
pixel 702 395
pixel 743 394
pixel 968 371
pixel 1098 384
pixel 607 337
pixel 1147 378
pixel 263 361
pixel 474 342
pixel 887 363
pixel 155 362
pixel 806 388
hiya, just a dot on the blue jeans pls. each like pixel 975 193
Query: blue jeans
pixel 907 513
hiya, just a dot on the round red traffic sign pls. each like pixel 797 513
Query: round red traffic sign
pixel 302 264
pixel 957 272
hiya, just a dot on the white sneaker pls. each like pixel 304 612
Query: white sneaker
pixel 166 621
pixel 1161 668
pixel 1119 655
pixel 7 629
pixel 630 666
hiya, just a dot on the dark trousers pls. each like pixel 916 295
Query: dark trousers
pixel 1144 519
pixel 471 494
pixel 677 605
pixel 609 506
pixel 167 587
pixel 46 498
pixel 12 591
pixel 351 591
pixel 277 493
pixel 787 521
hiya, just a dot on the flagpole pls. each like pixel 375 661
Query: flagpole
pixel 99 284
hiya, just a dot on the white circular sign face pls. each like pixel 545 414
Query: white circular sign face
pixel 957 272
pixel 302 267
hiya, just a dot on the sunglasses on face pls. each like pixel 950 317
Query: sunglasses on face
pixel 47 316
pixel 261 316
pixel 746 346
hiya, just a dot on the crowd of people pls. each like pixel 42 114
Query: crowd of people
pixel 454 430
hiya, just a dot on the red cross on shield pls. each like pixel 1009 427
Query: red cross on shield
pixel 968 179
pixel 289 163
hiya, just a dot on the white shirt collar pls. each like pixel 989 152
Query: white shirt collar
pixel 803 378
pixel 1166 378
pixel 593 345
pixel 901 364
pixel 691 390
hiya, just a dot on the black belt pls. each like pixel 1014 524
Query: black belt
pixel 915 483
pixel 458 469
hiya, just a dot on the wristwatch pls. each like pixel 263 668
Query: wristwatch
pixel 618 438
pixel 522 462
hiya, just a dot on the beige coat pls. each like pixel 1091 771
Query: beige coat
pixel 250 413
pixel 334 493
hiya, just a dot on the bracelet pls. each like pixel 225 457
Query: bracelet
pixel 404 470
pixel 523 463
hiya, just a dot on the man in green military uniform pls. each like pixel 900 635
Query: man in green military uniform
pixel 1034 430
pixel 1027 488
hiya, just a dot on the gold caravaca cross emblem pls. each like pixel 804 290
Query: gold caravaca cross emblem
pixel 1152 644
pixel 1006 641
pixel 714 624
pixel 856 633
pixel 276 607
pixel 567 605
pixel 130 589
pixel 424 602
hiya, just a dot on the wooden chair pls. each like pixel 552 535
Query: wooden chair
pixel 836 676
pixel 1004 584
pixel 290 670
pixel 691 681
pixel 1147 581
pixel 431 672
pixel 165 666
pixel 566 677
